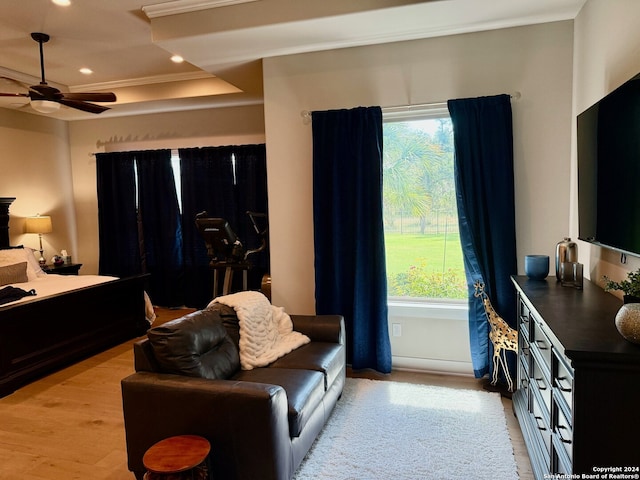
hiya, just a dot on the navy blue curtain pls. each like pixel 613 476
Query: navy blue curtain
pixel 251 195
pixel 161 227
pixel 483 169
pixel 151 235
pixel 117 215
pixel 207 184
pixel 211 183
pixel 350 270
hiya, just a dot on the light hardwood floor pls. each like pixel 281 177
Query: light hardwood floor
pixel 69 424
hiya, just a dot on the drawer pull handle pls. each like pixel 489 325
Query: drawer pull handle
pixel 540 426
pixel 567 385
pixel 525 350
pixel 562 439
pixel 541 384
pixel 524 383
pixel 542 345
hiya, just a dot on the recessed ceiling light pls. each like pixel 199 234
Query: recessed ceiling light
pixel 86 71
pixel 177 59
pixel 62 3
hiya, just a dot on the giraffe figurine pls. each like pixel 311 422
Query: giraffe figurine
pixel 503 337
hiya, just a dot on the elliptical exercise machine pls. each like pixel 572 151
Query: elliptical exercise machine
pixel 225 250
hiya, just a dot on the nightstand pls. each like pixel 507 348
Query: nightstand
pixel 64 269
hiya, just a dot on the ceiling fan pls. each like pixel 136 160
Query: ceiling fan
pixel 46 99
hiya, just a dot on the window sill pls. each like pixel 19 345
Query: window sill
pixel 428 308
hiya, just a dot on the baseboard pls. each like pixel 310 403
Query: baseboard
pixel 432 366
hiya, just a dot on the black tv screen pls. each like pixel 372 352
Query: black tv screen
pixel 608 135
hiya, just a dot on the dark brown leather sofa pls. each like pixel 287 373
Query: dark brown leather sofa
pixel 260 422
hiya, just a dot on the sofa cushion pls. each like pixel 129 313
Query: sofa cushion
pixel 229 320
pixel 328 358
pixel 196 345
pixel 304 388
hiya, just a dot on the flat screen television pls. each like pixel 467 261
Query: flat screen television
pixel 608 141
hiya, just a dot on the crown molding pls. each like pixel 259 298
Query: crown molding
pixel 26 78
pixel 185 6
pixel 131 82
pixel 137 82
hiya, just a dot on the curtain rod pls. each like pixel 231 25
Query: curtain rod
pixel 306 114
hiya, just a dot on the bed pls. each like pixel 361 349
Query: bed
pixel 69 317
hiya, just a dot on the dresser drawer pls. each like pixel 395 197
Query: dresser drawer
pixel 525 321
pixel 524 352
pixel 541 383
pixel 523 377
pixel 542 344
pixel 563 431
pixel 561 465
pixel 541 422
pixel 563 383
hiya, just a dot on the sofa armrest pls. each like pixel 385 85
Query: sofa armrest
pixel 320 328
pixel 143 358
pixel 241 420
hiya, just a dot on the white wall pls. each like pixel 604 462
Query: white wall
pixel 35 168
pixel 535 60
pixel 607 53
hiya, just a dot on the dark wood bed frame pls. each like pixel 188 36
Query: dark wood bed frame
pixel 39 336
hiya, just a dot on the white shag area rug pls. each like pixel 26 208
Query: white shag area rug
pixel 392 430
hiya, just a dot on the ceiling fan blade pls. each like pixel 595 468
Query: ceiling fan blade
pixel 84 106
pixel 14 95
pixel 46 91
pixel 90 96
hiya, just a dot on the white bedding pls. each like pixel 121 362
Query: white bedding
pixel 51 284
pixel 47 285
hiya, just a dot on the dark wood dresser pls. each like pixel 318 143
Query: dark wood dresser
pixel 64 269
pixel 5 202
pixel 578 395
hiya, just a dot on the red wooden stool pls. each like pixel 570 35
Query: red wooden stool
pixel 183 457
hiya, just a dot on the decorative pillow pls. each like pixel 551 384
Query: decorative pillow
pixel 12 256
pixel 33 261
pixel 16 273
pixel 196 345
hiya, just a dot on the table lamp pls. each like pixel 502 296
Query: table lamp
pixel 39 224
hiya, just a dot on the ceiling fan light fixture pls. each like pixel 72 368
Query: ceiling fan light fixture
pixel 45 106
pixel 47 99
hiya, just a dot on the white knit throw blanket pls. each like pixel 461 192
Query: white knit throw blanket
pixel 266 332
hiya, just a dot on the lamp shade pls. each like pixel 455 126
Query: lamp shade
pixel 38 224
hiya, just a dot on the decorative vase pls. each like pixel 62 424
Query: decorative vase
pixel 566 251
pixel 536 267
pixel 628 322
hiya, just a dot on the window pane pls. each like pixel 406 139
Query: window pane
pixel 175 165
pixel 424 257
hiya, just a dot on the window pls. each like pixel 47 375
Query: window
pixel 175 166
pixel 423 252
